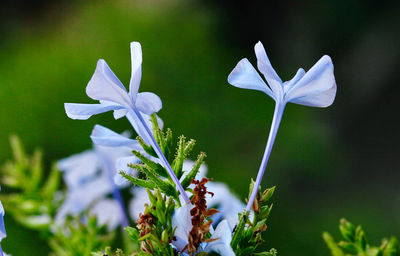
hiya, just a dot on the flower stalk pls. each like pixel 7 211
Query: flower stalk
pixel 134 113
pixel 276 120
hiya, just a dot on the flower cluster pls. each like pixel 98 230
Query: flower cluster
pixel 163 202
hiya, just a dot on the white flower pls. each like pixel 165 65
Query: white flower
pixel 107 211
pixel 90 175
pixel 2 227
pixel 112 95
pixel 316 88
pixel 223 234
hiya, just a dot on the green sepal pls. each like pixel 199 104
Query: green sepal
pixel 148 149
pixel 138 182
pixel 156 167
pixel 166 187
pixel 195 169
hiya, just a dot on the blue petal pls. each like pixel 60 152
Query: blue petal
pixel 183 224
pixel 317 88
pixel 84 111
pixel 108 212
pixel 120 113
pixel 289 84
pixel 80 168
pixel 264 65
pixel 136 66
pixel 139 127
pixel 104 85
pixel 148 103
pixel 105 137
pixel 2 227
pixel 223 234
pixel 245 76
pixel 80 198
pixel 122 165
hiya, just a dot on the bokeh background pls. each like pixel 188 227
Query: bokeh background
pixel 327 163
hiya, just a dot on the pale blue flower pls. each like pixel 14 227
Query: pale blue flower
pixel 90 177
pixel 112 95
pixel 2 227
pixel 104 137
pixel 108 212
pixel 183 224
pixel 315 88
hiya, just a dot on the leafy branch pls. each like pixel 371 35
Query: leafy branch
pixel 32 199
pixel 247 235
pixel 355 243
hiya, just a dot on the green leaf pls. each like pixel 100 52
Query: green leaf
pixel 139 182
pixel 192 174
pixel 335 250
pixel 155 167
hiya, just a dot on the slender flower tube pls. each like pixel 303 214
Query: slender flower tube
pixel 2 228
pixel 314 88
pixel 112 95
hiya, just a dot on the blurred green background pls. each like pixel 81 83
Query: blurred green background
pixel 327 163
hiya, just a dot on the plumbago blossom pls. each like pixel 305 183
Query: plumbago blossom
pixel 89 177
pixel 2 227
pixel 220 241
pixel 229 205
pixel 105 87
pixel 314 88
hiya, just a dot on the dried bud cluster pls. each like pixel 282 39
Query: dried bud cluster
pixel 144 225
pixel 199 214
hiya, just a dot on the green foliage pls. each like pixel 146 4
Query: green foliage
pixel 154 174
pixel 154 231
pixel 108 252
pixel 247 234
pixel 355 243
pixel 31 200
pixel 76 238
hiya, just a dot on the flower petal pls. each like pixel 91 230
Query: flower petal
pixel 136 65
pixel 2 227
pixel 107 211
pixel 120 113
pixel 183 224
pixel 104 85
pixel 122 165
pixel 137 204
pixel 84 111
pixel 265 67
pixel 79 168
pixel 317 88
pixel 245 76
pixel 223 234
pixel 289 84
pixel 148 103
pixel 105 137
pixel 80 198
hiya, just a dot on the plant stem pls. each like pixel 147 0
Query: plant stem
pixel 135 114
pixel 279 108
